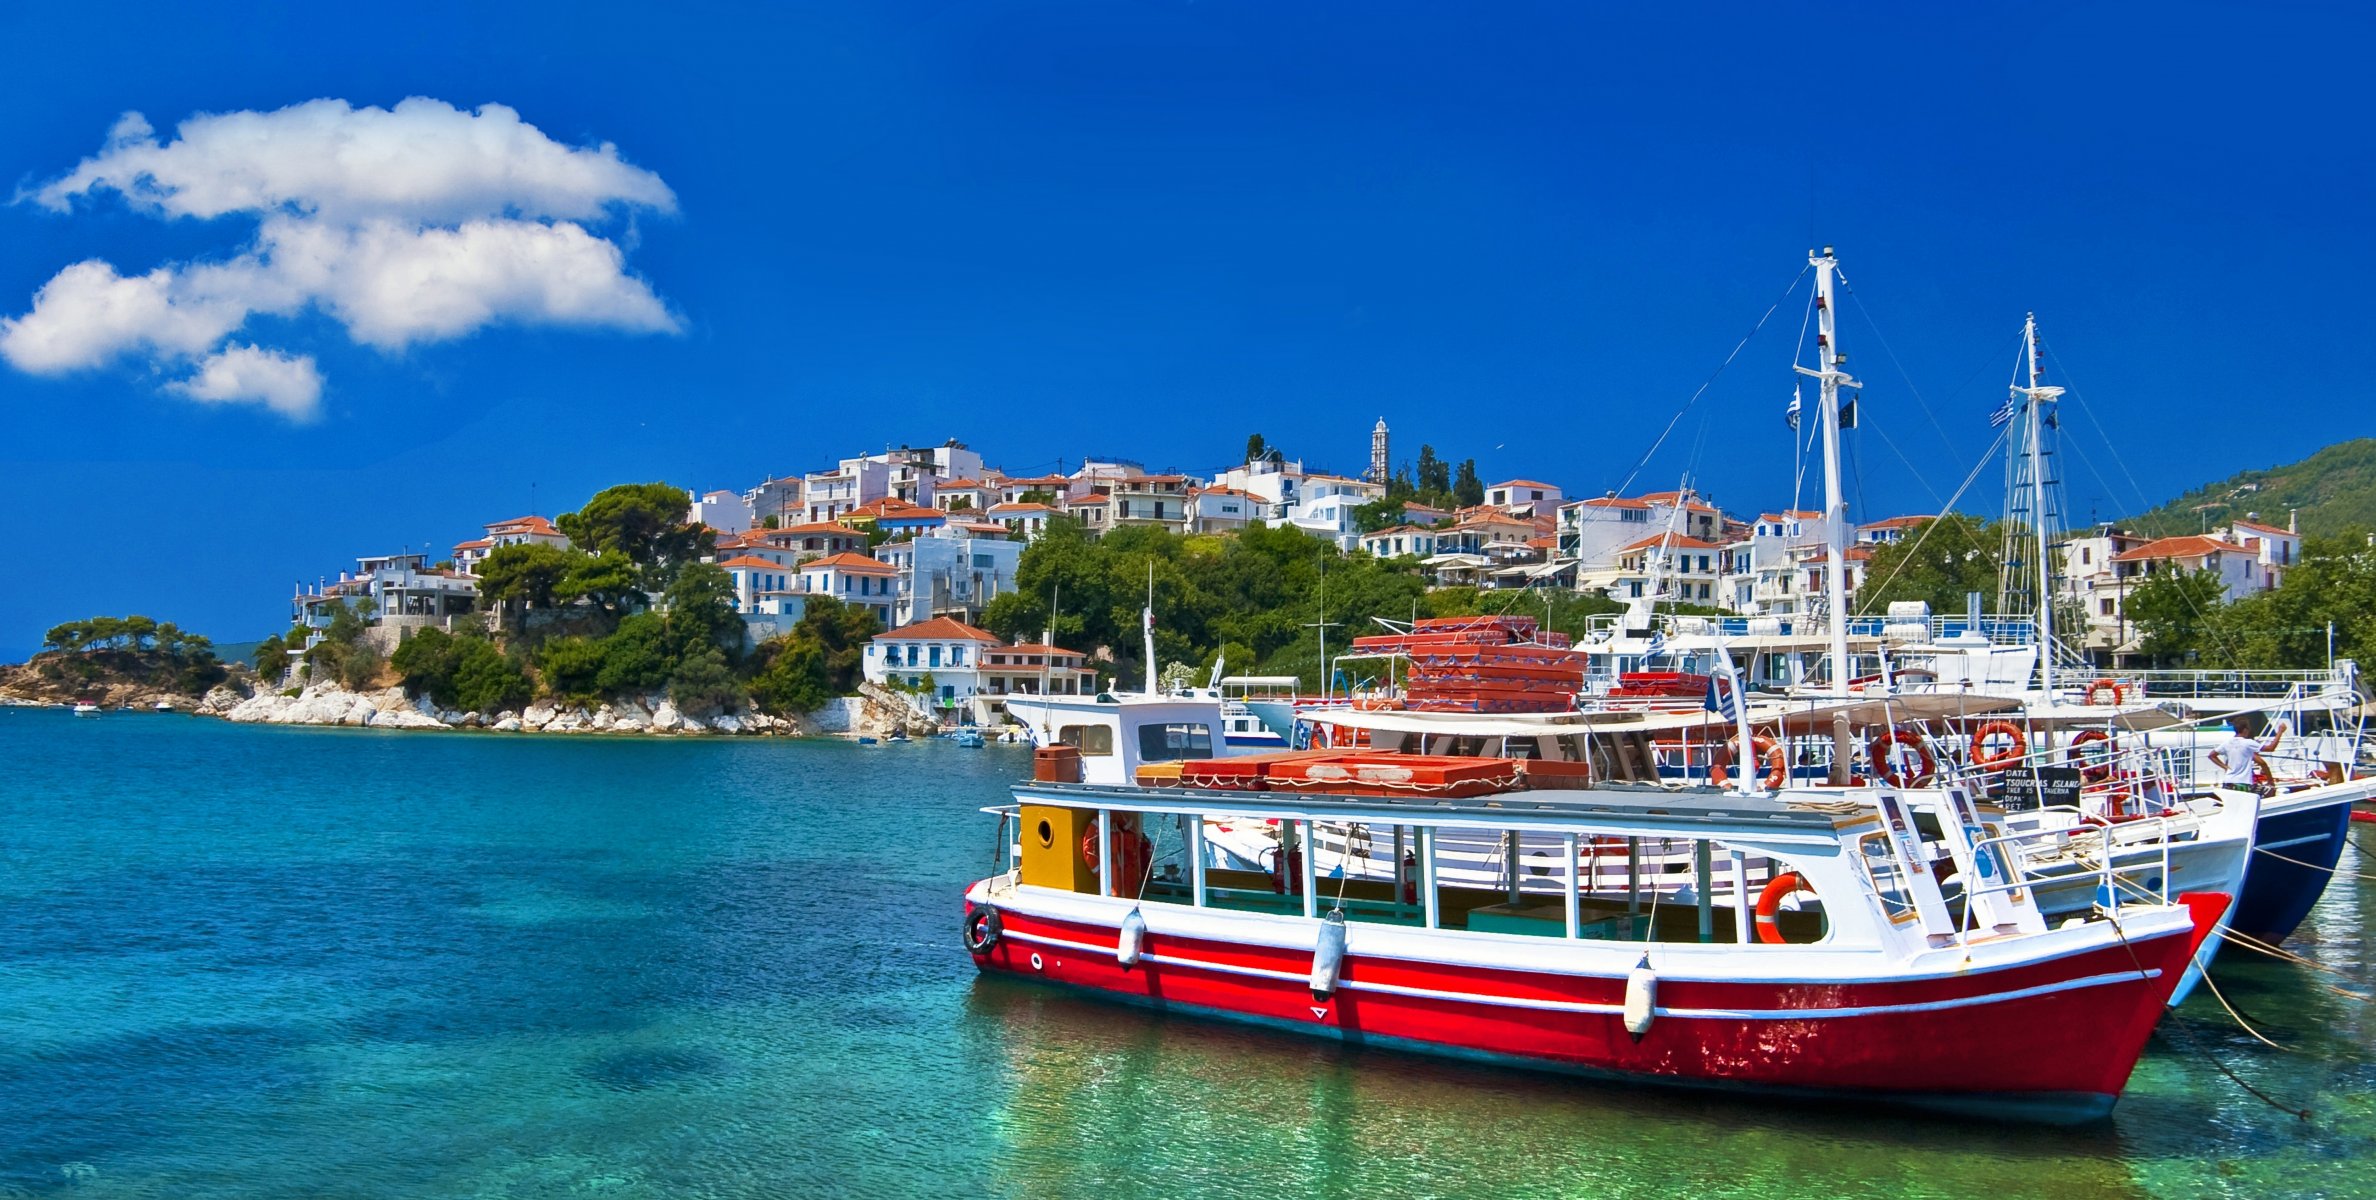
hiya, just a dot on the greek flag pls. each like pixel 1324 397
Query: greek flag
pixel 1720 700
pixel 2002 416
pixel 1790 415
pixel 1657 648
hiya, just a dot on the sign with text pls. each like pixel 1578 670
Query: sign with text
pixel 2025 788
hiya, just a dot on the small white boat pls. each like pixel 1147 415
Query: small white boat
pixel 86 707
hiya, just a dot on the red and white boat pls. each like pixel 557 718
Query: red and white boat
pixel 1868 988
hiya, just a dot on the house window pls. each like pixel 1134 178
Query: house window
pixel 2104 606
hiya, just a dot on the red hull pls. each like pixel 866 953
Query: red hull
pixel 2056 1039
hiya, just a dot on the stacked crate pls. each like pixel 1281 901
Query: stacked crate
pixel 1484 665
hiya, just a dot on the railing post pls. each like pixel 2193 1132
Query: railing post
pixel 1430 904
pixel 1105 856
pixel 1196 859
pixel 1311 869
pixel 1574 916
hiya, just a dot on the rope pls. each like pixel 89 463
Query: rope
pixel 1711 379
pixel 2314 866
pixel 2188 1035
pixel 1875 592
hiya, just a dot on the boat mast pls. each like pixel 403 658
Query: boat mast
pixel 1835 505
pixel 1147 628
pixel 2037 395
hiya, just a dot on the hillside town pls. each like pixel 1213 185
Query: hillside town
pixel 924 538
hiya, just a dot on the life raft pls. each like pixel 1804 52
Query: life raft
pixel 1777 759
pixel 1769 906
pixel 2091 770
pixel 1882 751
pixel 2013 753
pixel 2118 689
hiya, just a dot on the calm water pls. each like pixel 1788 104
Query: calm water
pixel 281 962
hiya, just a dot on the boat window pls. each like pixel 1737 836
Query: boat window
pixel 1091 740
pixel 1176 740
pixel 1888 881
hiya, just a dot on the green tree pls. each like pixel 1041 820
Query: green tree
pixel 795 680
pixel 1434 477
pixel 528 573
pixel 1468 490
pixel 427 662
pixel 645 522
pixel 1383 513
pixel 1037 496
pixel 2177 614
pixel 1937 562
pixel 572 669
pixel 841 633
pixel 1255 448
pixel 636 656
pixel 608 579
pixel 702 683
pixel 485 681
pixel 700 606
pixel 271 657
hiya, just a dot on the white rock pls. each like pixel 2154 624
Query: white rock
pixel 604 719
pixel 404 718
pixel 665 718
pixel 508 725
pixel 727 723
pixel 568 720
pixel 539 714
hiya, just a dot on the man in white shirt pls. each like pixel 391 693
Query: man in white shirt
pixel 2240 754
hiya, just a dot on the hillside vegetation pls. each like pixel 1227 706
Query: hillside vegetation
pixel 2334 490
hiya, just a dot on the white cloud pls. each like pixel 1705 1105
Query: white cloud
pixel 423 161
pixel 415 224
pixel 287 384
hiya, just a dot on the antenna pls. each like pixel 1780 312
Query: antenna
pixel 1322 625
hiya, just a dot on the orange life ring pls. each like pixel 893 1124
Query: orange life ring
pixel 1771 752
pixel 2117 688
pixel 1130 851
pixel 2014 753
pixel 1879 751
pixel 2099 772
pixel 1769 903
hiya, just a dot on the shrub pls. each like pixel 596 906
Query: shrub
pixel 572 669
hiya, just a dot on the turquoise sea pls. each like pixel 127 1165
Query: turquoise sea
pixel 243 962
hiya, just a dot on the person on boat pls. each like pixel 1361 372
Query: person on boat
pixel 2239 757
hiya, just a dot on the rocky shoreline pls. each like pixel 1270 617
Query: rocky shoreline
pixel 392 708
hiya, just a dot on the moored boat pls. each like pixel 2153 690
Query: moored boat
pixel 1870 988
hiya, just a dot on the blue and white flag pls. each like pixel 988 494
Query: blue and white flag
pixel 1657 647
pixel 2002 416
pixel 1790 415
pixel 1720 700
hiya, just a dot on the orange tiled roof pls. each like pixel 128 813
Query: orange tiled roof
pixel 2257 527
pixel 1674 541
pixel 1044 648
pixel 1018 509
pixel 1896 522
pixel 1523 483
pixel 847 561
pixel 2190 546
pixel 473 544
pixel 746 560
pixel 941 629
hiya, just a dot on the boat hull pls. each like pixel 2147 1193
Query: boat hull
pixel 2049 1040
pixel 2294 854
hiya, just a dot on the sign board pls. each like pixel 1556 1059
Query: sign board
pixel 2024 789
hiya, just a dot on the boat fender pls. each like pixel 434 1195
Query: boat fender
pixel 983 929
pixel 1134 933
pixel 1328 956
pixel 1641 998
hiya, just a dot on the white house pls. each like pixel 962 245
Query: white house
pixel 853 579
pixel 1523 497
pixel 1026 521
pixel 949 573
pixel 723 511
pixel 1399 541
pixel 515 532
pixel 942 653
pixel 764 587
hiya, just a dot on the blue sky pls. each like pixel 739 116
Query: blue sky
pixel 1522 233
